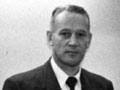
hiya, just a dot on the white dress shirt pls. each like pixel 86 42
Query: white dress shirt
pixel 62 76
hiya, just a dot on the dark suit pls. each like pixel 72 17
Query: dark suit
pixel 43 78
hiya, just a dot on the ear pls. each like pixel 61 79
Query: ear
pixel 89 40
pixel 49 38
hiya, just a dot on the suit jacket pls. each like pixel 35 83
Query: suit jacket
pixel 43 78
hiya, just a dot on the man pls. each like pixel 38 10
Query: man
pixel 69 39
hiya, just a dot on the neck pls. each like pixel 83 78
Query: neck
pixel 68 69
pixel 71 71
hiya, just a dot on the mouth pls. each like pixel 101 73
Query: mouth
pixel 73 53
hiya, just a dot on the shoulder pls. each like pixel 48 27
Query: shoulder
pixel 97 80
pixel 29 78
pixel 30 75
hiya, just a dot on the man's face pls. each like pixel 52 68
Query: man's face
pixel 70 39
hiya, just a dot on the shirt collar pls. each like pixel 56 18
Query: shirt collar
pixel 61 75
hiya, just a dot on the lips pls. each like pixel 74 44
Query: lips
pixel 72 52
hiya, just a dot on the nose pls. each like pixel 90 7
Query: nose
pixel 73 42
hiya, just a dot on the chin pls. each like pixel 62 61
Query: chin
pixel 73 61
pixel 73 64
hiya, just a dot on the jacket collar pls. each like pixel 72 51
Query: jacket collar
pixel 52 83
pixel 85 84
pixel 51 80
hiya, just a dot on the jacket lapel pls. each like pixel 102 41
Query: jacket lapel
pixel 51 80
pixel 84 81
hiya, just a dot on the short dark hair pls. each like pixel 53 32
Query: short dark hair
pixel 69 8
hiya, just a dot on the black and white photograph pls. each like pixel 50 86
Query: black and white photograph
pixel 59 44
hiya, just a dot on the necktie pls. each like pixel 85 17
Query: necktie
pixel 71 81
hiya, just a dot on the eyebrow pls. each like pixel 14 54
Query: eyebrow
pixel 78 30
pixel 66 29
pixel 81 30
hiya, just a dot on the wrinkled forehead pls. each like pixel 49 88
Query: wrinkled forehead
pixel 71 19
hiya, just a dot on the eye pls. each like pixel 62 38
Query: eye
pixel 65 34
pixel 81 34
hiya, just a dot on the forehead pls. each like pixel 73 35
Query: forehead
pixel 71 20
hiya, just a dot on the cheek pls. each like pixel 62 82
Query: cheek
pixel 83 46
pixel 59 45
pixel 56 43
pixel 84 42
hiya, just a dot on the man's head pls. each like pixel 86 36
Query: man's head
pixel 70 35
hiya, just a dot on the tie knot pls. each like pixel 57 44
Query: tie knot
pixel 71 81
